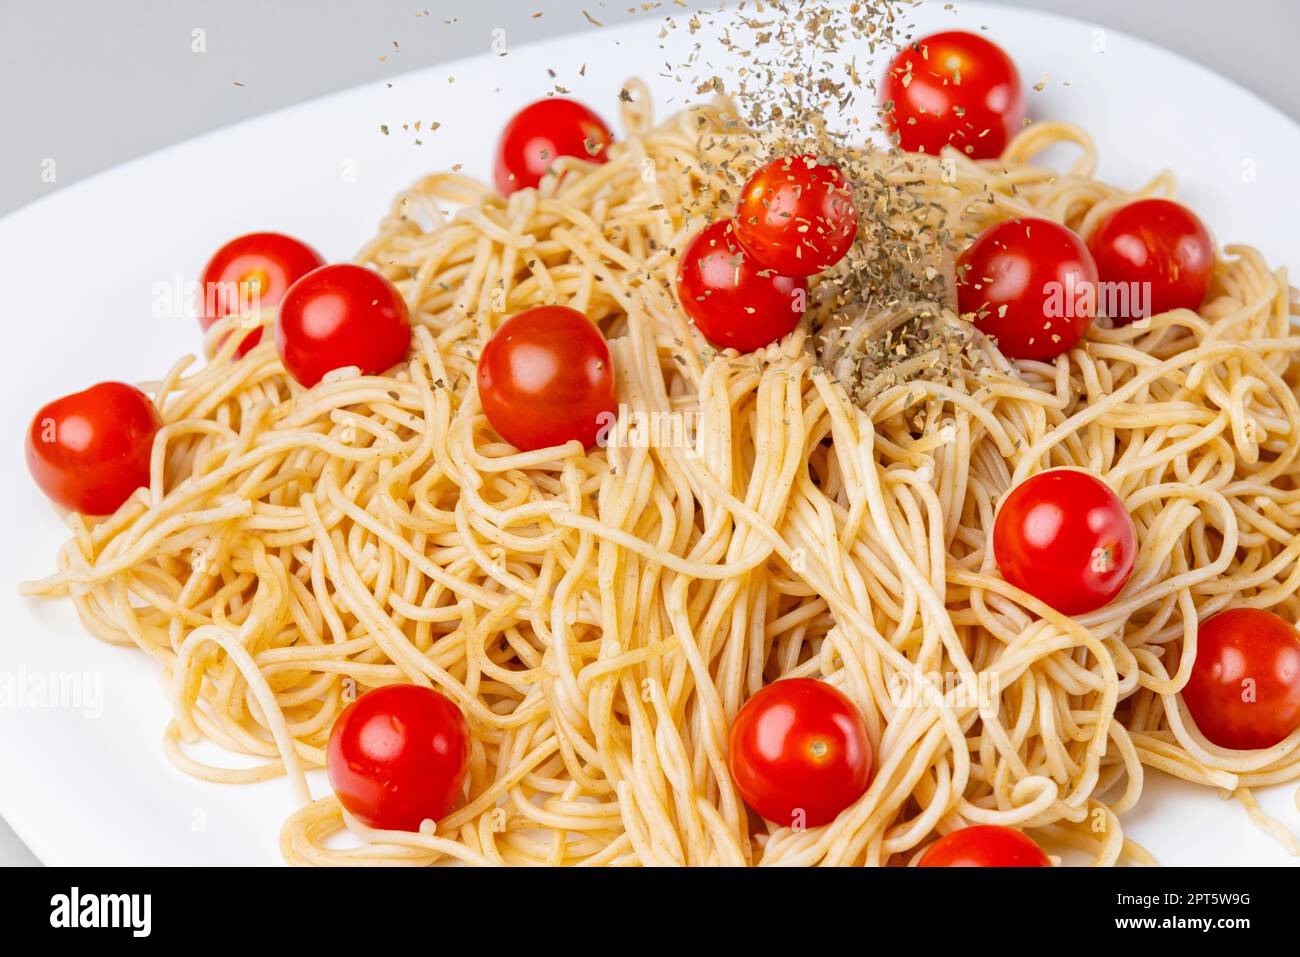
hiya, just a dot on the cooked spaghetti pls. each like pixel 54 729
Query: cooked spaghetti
pixel 600 616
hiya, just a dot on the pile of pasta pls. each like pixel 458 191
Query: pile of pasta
pixel 601 615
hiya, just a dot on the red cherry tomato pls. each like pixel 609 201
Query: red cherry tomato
pixel 1032 284
pixel 341 315
pixel 253 271
pixel 797 216
pixel 1155 241
pixel 799 752
pixel 397 756
pixel 1244 689
pixel 90 450
pixel 735 303
pixel 984 845
pixel 1066 538
pixel 953 87
pixel 541 133
pixel 545 378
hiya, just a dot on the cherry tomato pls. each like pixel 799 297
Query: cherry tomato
pixel 341 315
pixel 984 845
pixel 953 87
pixel 397 756
pixel 1066 538
pixel 545 378
pixel 796 216
pixel 1160 242
pixel 542 132
pixel 735 303
pixel 1030 283
pixel 799 752
pixel 1244 689
pixel 90 450
pixel 251 272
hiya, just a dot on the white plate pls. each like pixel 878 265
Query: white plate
pixel 81 272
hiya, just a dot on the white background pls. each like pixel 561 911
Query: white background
pixel 91 85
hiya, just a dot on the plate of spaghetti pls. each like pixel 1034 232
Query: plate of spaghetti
pixel 842 447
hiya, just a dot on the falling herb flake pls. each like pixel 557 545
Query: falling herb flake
pixel 880 316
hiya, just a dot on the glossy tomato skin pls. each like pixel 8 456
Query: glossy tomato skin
pixel 546 378
pixel 90 450
pixel 799 752
pixel 1030 283
pixel 398 756
pixel 1244 689
pixel 542 132
pixel 953 87
pixel 1160 242
pixel 796 216
pixel 1067 539
pixel 341 315
pixel 984 845
pixel 253 270
pixel 735 303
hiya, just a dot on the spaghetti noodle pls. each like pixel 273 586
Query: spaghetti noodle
pixel 601 616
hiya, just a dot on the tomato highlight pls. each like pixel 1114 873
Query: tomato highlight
pixel 398 756
pixel 984 845
pixel 1031 284
pixel 799 752
pixel 953 88
pixel 541 133
pixel 1244 689
pixel 546 378
pixel 339 316
pixel 90 450
pixel 796 216
pixel 735 303
pixel 251 273
pixel 1066 538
